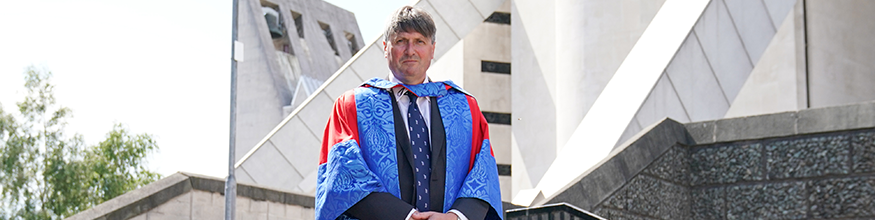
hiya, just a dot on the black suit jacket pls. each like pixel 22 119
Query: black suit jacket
pixel 387 206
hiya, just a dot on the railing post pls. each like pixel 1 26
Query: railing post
pixel 231 182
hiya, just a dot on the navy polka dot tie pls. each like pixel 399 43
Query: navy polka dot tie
pixel 420 146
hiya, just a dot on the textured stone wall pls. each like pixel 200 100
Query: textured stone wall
pixel 661 191
pixel 821 176
pixel 198 204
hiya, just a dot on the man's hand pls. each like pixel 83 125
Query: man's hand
pixel 434 216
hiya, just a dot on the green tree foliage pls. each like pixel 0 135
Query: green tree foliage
pixel 45 174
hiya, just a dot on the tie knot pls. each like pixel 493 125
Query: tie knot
pixel 411 96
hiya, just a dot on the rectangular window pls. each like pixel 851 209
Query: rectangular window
pixel 350 42
pixel 497 118
pixel 299 23
pixel 276 25
pixel 499 18
pixel 503 169
pixel 274 19
pixel 494 67
pixel 326 30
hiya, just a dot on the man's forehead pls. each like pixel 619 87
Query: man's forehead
pixel 407 34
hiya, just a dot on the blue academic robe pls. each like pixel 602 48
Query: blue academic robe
pixel 359 154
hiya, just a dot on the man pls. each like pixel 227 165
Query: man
pixel 405 147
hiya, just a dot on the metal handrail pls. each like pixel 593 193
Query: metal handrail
pixel 551 210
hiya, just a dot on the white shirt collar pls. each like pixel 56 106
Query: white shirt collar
pixel 399 91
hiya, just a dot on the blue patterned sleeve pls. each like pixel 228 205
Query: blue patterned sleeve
pixel 344 179
pixel 482 181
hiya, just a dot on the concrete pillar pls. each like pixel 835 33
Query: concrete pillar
pixel 575 89
pixel 533 81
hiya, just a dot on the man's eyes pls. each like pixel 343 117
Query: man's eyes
pixel 404 41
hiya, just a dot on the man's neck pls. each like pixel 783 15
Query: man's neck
pixel 392 78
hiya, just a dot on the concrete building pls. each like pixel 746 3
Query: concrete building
pixel 589 75
pixel 768 105
pixel 290 48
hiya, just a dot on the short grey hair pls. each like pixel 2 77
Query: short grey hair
pixel 409 18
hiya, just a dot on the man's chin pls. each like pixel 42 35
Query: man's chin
pixel 409 72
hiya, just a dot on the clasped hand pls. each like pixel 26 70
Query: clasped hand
pixel 433 216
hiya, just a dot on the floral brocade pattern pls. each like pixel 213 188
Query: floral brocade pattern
pixel 353 170
pixel 348 177
pixel 377 134
pixel 456 116
pixel 477 184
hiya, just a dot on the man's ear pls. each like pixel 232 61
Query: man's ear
pixel 385 50
pixel 433 46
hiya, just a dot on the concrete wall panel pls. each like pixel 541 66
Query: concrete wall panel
pixel 487 7
pixel 372 63
pixel 695 84
pixel 299 145
pixel 491 90
pixel 723 48
pixel 778 10
pixel 347 80
pixel 446 38
pixel 308 185
pixel 316 116
pixel 499 137
pixel 272 169
pixel 519 173
pixel 449 66
pixel 504 183
pixel 771 87
pixel 489 41
pixel 753 23
pixel 177 208
pixel 841 51
pixel 243 176
pixel 207 205
pixel 662 102
pixel 460 14
pixel 276 210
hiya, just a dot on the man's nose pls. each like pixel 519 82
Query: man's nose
pixel 409 49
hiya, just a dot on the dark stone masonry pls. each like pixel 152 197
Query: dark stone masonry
pixel 819 176
pixel 808 164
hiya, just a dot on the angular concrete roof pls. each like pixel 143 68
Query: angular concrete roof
pixel 155 194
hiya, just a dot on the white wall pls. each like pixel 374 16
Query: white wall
pixel 841 52
pixel 564 52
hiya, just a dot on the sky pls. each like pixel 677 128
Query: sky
pixel 160 67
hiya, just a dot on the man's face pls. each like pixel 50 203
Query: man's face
pixel 409 55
